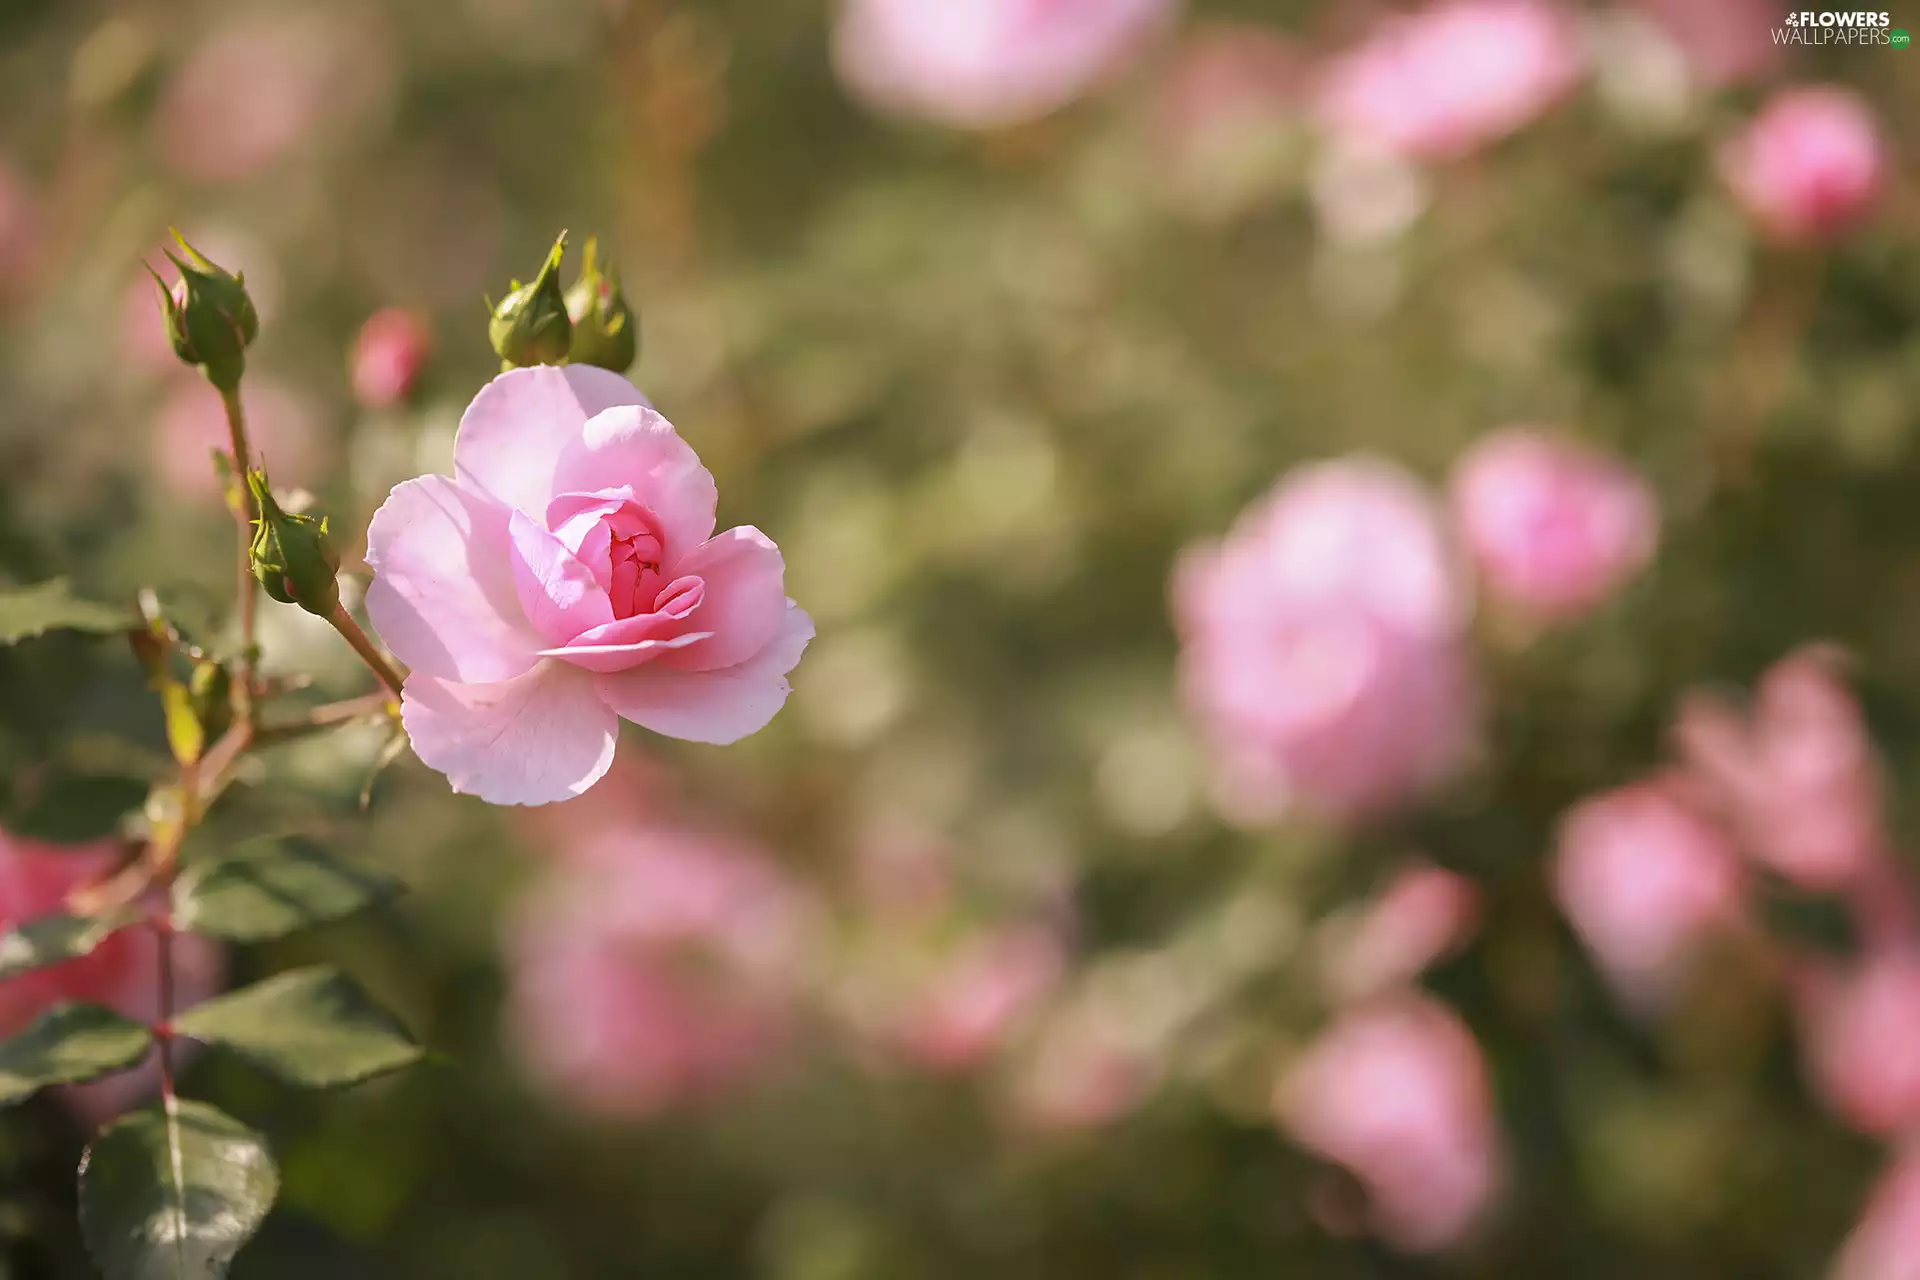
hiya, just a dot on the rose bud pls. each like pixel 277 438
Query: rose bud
pixel 605 332
pixel 210 319
pixel 293 556
pixel 531 326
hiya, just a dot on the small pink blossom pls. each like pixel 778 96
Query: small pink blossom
pixel 1886 1242
pixel 1322 649
pixel 1554 526
pixel 1397 1093
pixel 281 426
pixel 388 356
pixel 1811 165
pixel 1424 914
pixel 122 973
pixel 983 64
pixel 1449 79
pixel 1644 877
pixel 657 969
pixel 1796 776
pixel 566 577
pixel 1860 1038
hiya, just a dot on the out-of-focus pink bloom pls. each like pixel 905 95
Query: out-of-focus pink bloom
pixel 1644 876
pixel 257 88
pixel 656 970
pixel 569 576
pixel 1321 646
pixel 19 227
pixel 983 64
pixel 1860 1037
pixel 1397 1093
pixel 1450 79
pixel 1810 166
pixel 143 328
pixel 1886 1243
pixel 1225 80
pixel 388 356
pixel 1554 526
pixel 1725 41
pixel 281 428
pixel 1423 915
pixel 979 997
pixel 1084 1071
pixel 1797 777
pixel 122 973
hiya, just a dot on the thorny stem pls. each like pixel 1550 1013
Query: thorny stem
pixel 382 666
pixel 244 515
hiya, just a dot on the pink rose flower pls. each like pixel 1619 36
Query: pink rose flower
pixel 1322 651
pixel 1810 166
pixel 1860 1039
pixel 568 576
pixel 655 970
pixel 1796 777
pixel 388 356
pixel 983 64
pixel 1644 876
pixel 1397 1094
pixel 1885 1243
pixel 1553 526
pixel 1437 84
pixel 281 425
pixel 1424 914
pixel 122 973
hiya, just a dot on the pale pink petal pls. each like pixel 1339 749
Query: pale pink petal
pixel 713 706
pixel 607 658
pixel 513 434
pixel 443 595
pixel 632 445
pixel 744 601
pixel 561 596
pixel 542 737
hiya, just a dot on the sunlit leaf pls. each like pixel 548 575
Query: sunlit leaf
pixel 172 1192
pixel 266 888
pixel 51 606
pixel 313 1027
pixel 66 1045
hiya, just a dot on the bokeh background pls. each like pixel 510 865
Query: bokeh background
pixel 1405 889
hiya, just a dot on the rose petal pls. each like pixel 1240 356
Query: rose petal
pixel 712 706
pixel 604 659
pixel 632 445
pixel 744 601
pixel 443 595
pixel 515 431
pixel 559 593
pixel 542 737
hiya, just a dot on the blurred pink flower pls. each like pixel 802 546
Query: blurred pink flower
pixel 979 996
pixel 282 428
pixel 1321 645
pixel 982 64
pixel 1725 41
pixel 1886 1243
pixel 1424 914
pixel 569 576
pixel 1451 78
pixel 1084 1071
pixel 1226 79
pixel 1810 166
pixel 19 227
pixel 657 969
pixel 388 356
pixel 1553 525
pixel 1796 777
pixel 1860 1038
pixel 122 973
pixel 1397 1093
pixel 1643 876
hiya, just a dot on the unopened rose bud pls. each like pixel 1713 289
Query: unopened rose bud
pixel 210 319
pixel 293 556
pixel 388 356
pixel 531 326
pixel 605 332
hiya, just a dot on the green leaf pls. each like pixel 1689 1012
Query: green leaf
pixel 67 1044
pixel 264 889
pixel 314 1027
pixel 53 939
pixel 49 606
pixel 76 808
pixel 172 1192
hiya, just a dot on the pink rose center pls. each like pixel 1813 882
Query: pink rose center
pixel 619 540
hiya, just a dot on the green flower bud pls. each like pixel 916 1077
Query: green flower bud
pixel 210 318
pixel 530 326
pixel 605 332
pixel 210 691
pixel 292 555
